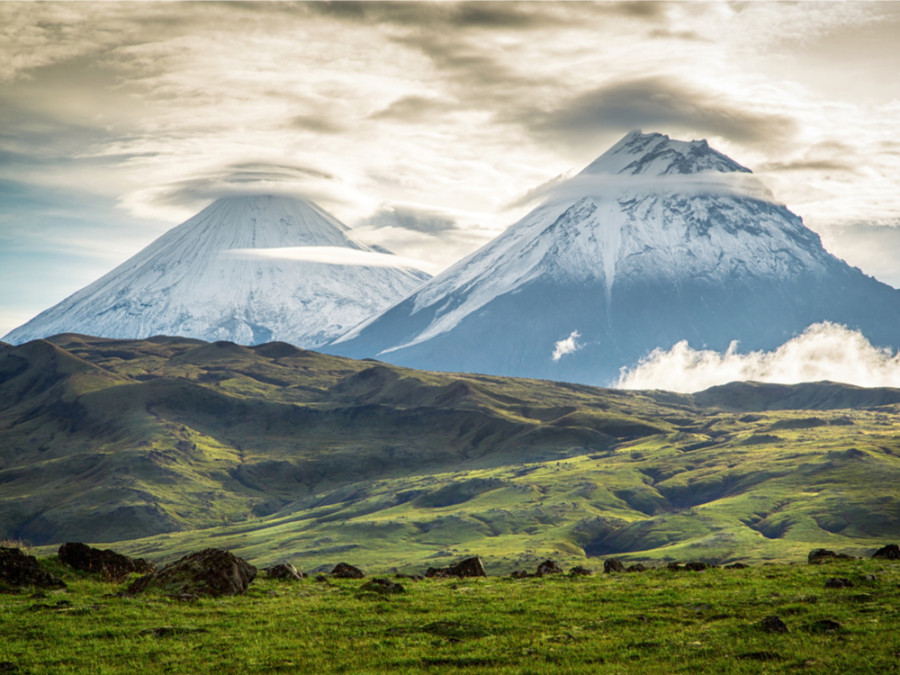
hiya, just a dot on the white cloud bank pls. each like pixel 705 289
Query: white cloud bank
pixel 567 346
pixel 824 351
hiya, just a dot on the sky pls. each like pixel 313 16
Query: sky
pixel 427 127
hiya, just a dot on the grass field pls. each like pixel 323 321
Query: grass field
pixel 657 621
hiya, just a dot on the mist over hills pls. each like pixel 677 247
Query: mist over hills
pixel 172 444
pixel 655 242
pixel 225 274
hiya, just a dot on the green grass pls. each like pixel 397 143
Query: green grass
pixel 654 622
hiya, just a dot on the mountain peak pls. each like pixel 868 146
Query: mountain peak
pixel 655 154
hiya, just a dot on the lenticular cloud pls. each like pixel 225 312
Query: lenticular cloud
pixel 824 351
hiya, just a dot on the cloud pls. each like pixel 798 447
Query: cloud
pixel 872 247
pixel 418 219
pixel 327 255
pixel 567 346
pixel 824 351
pixel 658 103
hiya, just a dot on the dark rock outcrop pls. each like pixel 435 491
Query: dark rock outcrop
pixel 285 572
pixel 613 565
pixel 345 571
pixel 579 571
pixel 637 567
pixel 111 566
pixel 469 567
pixel 697 566
pixel 20 569
pixel 548 567
pixel 212 572
pixel 889 552
pixel 821 555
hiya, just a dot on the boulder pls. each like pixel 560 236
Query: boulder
pixel 212 572
pixel 637 567
pixel 110 565
pixel 889 552
pixel 344 571
pixel 548 567
pixel 820 555
pixel 285 572
pixel 676 567
pixel 579 571
pixel 613 565
pixel 736 566
pixel 521 574
pixel 696 566
pixel 469 567
pixel 19 569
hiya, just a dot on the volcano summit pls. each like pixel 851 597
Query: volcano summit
pixel 227 274
pixel 655 242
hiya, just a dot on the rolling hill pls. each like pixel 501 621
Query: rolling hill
pixel 169 444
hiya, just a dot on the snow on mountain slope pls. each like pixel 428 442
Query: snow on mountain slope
pixel 202 280
pixel 654 242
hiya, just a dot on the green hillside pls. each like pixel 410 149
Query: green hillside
pixel 167 445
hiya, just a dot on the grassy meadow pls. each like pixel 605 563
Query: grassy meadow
pixel 657 621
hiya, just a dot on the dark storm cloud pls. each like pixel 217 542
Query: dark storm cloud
pixel 409 218
pixel 656 103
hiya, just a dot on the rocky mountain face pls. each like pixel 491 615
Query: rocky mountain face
pixel 656 241
pixel 221 276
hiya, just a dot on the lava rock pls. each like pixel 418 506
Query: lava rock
pixel 285 572
pixel 468 567
pixel 697 566
pixel 20 569
pixel 110 565
pixel 549 567
pixel 889 552
pixel 613 565
pixel 345 571
pixel 579 571
pixel 637 567
pixel 821 555
pixel 211 572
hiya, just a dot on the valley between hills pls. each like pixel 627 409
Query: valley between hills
pixel 164 446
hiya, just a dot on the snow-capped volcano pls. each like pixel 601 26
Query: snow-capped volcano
pixel 245 269
pixel 654 242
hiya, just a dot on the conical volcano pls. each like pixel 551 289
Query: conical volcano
pixel 240 270
pixel 655 242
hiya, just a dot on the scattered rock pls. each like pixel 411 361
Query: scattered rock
pixel 637 567
pixel 549 567
pixel 469 567
pixel 212 572
pixel 613 565
pixel 697 566
pixel 382 586
pixel 838 582
pixel 20 569
pixel 579 571
pixel 772 624
pixel 411 577
pixel 321 578
pixel 736 566
pixel 111 566
pixel 820 555
pixel 676 567
pixel 345 571
pixel 285 572
pixel 889 552
pixel 521 574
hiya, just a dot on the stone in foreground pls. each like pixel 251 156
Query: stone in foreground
pixel 212 572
